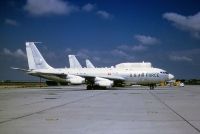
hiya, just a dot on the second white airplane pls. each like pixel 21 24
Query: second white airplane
pixel 92 77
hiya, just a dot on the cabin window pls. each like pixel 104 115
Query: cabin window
pixel 109 73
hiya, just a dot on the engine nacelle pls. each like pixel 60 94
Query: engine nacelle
pixel 103 82
pixel 73 79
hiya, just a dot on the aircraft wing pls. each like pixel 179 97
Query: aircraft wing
pixel 55 76
pixel 102 80
pixel 86 76
pixel 37 72
pixel 49 73
pixel 114 78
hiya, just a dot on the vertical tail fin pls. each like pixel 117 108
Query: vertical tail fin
pixel 89 64
pixel 73 62
pixel 35 59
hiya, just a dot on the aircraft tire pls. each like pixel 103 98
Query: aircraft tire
pixel 151 87
pixel 89 87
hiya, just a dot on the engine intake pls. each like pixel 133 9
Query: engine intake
pixel 103 82
pixel 73 79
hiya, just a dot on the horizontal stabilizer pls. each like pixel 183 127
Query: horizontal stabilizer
pixel 21 69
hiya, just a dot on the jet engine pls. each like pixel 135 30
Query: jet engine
pixel 103 82
pixel 73 79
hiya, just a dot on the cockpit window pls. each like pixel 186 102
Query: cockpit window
pixel 164 72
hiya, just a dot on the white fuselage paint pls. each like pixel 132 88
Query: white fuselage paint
pixel 130 76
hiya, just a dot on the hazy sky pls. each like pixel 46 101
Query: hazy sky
pixel 166 33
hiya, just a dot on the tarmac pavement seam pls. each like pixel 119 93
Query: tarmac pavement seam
pixel 184 119
pixel 53 107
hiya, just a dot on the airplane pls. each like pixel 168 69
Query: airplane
pixel 73 62
pixel 89 64
pixel 39 67
pixel 92 77
pixel 127 65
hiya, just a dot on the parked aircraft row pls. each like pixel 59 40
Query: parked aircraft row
pixel 74 63
pixel 120 75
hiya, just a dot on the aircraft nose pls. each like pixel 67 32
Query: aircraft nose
pixel 170 76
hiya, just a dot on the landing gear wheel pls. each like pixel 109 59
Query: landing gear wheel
pixel 151 87
pixel 89 87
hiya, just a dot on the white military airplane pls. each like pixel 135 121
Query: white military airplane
pixel 89 64
pixel 73 62
pixel 92 77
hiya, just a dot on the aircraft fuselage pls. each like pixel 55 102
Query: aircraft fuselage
pixel 131 76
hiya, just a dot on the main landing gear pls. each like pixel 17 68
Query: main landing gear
pixel 90 87
pixel 93 87
pixel 152 86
